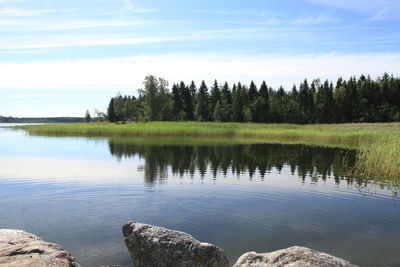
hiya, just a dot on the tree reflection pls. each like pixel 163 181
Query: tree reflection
pixel 255 159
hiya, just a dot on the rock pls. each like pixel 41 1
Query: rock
pixel 19 248
pixel 156 246
pixel 291 257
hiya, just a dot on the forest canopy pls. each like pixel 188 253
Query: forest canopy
pixel 345 101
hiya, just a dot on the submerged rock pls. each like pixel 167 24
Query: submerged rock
pixel 19 248
pixel 293 257
pixel 156 246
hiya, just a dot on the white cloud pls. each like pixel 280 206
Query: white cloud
pixel 16 12
pixel 129 72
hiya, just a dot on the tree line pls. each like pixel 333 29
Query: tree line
pixel 345 101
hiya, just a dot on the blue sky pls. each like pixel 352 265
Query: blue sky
pixel 59 58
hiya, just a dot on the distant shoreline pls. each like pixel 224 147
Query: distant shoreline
pixel 41 120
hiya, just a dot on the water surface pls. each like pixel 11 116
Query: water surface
pixel 78 192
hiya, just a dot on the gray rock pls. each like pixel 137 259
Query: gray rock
pixel 156 246
pixel 291 257
pixel 19 248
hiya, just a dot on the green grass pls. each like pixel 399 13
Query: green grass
pixel 378 144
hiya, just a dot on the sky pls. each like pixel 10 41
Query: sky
pixel 61 58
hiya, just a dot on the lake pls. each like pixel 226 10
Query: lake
pixel 78 192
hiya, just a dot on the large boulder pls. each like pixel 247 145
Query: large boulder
pixel 19 248
pixel 150 245
pixel 291 257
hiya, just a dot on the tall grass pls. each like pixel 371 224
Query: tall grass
pixel 380 160
pixel 378 144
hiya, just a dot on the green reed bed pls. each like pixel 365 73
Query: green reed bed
pixel 333 132
pixel 380 160
pixel 378 144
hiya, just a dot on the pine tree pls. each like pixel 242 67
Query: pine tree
pixel 353 101
pixel 215 97
pixel 238 103
pixel 340 101
pixel 226 103
pixel 193 94
pixel 293 109
pixel 177 102
pixel 187 103
pixel 252 93
pixel 110 111
pixel 264 94
pixel 226 94
pixel 324 103
pixel 202 104
pixel 306 102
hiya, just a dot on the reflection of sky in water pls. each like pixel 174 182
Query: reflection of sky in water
pixel 81 198
pixel 17 144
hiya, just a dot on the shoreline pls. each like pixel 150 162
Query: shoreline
pixel 378 144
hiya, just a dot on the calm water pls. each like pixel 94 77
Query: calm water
pixel 78 192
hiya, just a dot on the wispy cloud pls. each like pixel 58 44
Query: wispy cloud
pixel 383 14
pixel 74 40
pixel 274 35
pixel 80 40
pixel 27 25
pixel 316 19
pixel 221 12
pixel 16 12
pixel 370 6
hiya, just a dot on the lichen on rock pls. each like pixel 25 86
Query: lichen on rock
pixel 19 248
pixel 291 257
pixel 157 246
